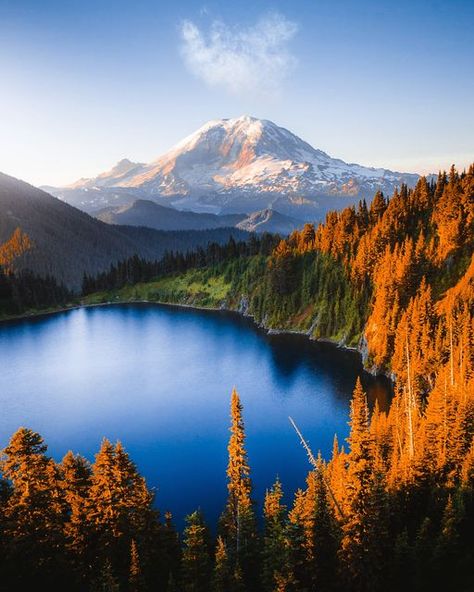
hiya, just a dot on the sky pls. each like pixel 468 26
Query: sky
pixel 85 83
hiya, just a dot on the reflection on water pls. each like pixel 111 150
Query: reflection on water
pixel 159 379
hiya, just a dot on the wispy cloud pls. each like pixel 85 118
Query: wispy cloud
pixel 246 60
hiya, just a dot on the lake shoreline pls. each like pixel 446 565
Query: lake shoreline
pixel 158 378
pixel 269 331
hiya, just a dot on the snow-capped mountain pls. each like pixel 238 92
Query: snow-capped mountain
pixel 237 165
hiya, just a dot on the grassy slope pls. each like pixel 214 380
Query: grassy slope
pixel 224 286
pixel 192 288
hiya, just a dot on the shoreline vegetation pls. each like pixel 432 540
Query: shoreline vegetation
pixel 352 281
pixel 368 278
pixel 84 303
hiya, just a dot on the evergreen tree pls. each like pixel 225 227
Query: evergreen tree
pixel 299 575
pixel 119 507
pixel 325 540
pixel 238 520
pixel 275 550
pixel 171 550
pixel 364 539
pixel 76 480
pixel 196 562
pixel 135 580
pixel 106 580
pixel 222 570
pixel 34 513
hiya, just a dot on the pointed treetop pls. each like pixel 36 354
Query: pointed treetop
pixel 359 419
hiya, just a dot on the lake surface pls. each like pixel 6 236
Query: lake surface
pixel 159 379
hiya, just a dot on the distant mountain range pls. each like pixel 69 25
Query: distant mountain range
pixel 143 212
pixel 241 166
pixel 268 221
pixel 66 242
pixel 232 176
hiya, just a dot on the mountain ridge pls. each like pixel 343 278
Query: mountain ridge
pixel 144 212
pixel 66 242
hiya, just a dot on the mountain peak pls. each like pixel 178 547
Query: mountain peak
pixel 244 164
pixel 123 166
pixel 235 143
pixel 245 118
pixel 124 162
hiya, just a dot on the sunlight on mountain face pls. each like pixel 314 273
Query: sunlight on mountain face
pixel 239 165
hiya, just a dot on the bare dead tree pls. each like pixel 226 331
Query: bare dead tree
pixel 314 463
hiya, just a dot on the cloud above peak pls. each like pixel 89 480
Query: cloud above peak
pixel 241 60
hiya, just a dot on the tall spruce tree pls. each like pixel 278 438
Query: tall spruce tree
pixel 275 548
pixel 221 577
pixel 196 562
pixel 119 507
pixel 363 542
pixel 238 523
pixel 325 539
pixel 135 577
pixel 76 480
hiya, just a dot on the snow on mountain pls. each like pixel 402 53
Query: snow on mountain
pixel 121 171
pixel 238 165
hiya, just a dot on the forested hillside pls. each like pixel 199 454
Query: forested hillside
pixel 62 242
pixel 367 277
pixel 25 291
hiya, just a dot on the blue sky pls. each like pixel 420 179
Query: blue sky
pixel 88 82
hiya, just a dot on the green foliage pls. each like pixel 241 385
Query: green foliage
pixel 196 563
pixel 318 298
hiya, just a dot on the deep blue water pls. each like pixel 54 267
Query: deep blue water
pixel 159 379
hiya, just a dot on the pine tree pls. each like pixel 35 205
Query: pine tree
pixel 196 562
pixel 325 540
pixel 102 508
pixel 106 580
pixel 222 570
pixel 364 538
pixel 76 480
pixel 275 550
pixel 299 568
pixel 377 207
pixel 135 580
pixel 34 512
pixel 238 520
pixel 119 507
pixel 170 556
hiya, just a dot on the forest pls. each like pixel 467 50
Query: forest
pixel 364 276
pixel 25 291
pixel 393 508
